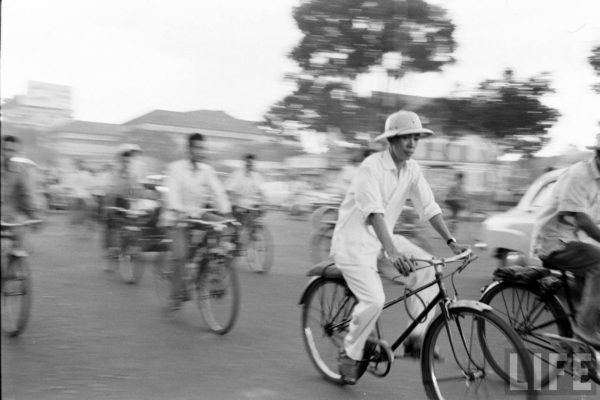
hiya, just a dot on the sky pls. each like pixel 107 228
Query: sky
pixel 124 58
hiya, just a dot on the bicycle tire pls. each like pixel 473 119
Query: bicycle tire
pixel 162 281
pixel 469 377
pixel 328 302
pixel 16 296
pixel 503 296
pixel 259 252
pixel 218 294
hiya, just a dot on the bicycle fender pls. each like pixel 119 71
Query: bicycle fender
pixel 311 282
pixel 489 287
pixel 479 306
pixel 19 253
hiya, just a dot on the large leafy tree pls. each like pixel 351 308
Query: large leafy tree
pixel 345 38
pixel 508 110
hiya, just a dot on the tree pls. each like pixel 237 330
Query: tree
pixel 507 110
pixel 595 62
pixel 345 38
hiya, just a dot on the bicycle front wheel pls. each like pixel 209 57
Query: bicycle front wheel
pixel 218 295
pixel 326 311
pixel 532 314
pixel 472 365
pixel 260 250
pixel 16 296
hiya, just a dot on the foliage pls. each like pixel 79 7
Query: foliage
pixel 345 38
pixel 507 110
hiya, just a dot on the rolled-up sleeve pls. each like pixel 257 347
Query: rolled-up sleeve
pixel 368 195
pixel 423 198
pixel 575 198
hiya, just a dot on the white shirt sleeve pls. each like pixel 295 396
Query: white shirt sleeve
pixel 423 198
pixel 173 196
pixel 218 191
pixel 368 192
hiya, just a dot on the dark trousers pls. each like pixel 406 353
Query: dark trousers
pixel 583 260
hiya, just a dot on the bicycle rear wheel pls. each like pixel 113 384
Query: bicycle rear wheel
pixel 326 311
pixel 16 296
pixel 218 294
pixel 259 252
pixel 531 314
pixel 470 360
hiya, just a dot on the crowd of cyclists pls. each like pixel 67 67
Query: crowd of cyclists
pixel 375 191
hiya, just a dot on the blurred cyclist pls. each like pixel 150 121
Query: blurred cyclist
pixel 244 185
pixel 18 191
pixel 190 182
pixel 124 189
pixel 363 241
pixel 567 236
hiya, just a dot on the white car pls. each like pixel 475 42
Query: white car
pixel 507 236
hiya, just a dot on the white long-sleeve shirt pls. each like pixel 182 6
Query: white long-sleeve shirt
pixel 190 188
pixel 378 187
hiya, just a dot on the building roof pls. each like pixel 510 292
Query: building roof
pixel 89 127
pixel 200 119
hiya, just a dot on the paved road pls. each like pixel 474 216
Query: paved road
pixel 94 337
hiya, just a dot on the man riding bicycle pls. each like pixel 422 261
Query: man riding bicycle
pixel 567 236
pixel 125 186
pixel 190 182
pixel 18 191
pixel 363 241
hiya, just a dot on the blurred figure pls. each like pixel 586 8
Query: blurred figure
pixel 363 241
pixel 18 191
pixel 244 185
pixel 190 181
pixel 456 200
pixel 123 190
pixel 80 182
pixel 559 242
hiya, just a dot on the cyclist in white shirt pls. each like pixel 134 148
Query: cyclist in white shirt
pixel 363 241
pixel 190 183
pixel 244 185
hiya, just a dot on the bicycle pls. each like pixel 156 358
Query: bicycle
pixel 327 305
pixel 16 280
pixel 254 239
pixel 209 274
pixel 127 257
pixel 528 298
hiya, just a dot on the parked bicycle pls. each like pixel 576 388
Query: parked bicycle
pixel 16 280
pixel 253 238
pixel 529 299
pixel 475 342
pixel 209 275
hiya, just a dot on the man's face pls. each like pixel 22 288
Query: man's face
pixel 403 147
pixel 9 150
pixel 197 150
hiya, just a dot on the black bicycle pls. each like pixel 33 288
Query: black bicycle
pixel 484 357
pixel 209 276
pixel 531 300
pixel 16 283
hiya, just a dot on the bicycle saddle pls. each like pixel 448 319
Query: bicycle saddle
pixel 325 268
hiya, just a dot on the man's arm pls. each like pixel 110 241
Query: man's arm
pixel 174 201
pixel 219 192
pixel 583 222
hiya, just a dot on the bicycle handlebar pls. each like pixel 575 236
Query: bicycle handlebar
pixel 29 222
pixel 464 256
pixel 217 225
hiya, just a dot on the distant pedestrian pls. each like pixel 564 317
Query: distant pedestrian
pixel 456 200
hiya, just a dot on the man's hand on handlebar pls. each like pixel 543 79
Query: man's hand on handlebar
pixel 458 248
pixel 401 262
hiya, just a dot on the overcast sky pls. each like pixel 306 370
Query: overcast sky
pixel 123 58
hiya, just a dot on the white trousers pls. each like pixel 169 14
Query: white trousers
pixel 365 282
